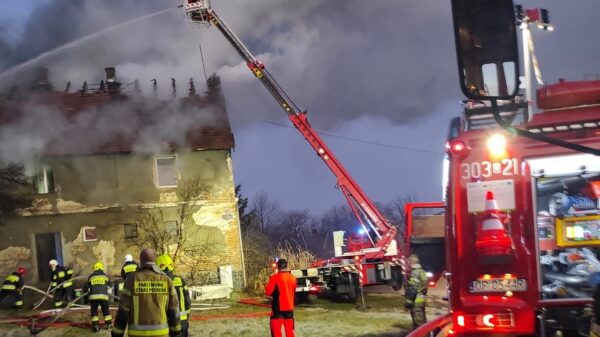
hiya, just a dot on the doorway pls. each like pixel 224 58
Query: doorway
pixel 48 246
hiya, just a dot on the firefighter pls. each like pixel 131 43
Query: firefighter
pixel 415 292
pixel 61 283
pixel 282 288
pixel 165 263
pixel 129 268
pixel 149 305
pixel 13 288
pixel 97 286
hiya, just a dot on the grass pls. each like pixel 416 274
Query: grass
pixel 386 317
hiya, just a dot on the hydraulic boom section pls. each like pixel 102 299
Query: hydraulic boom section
pixel 382 234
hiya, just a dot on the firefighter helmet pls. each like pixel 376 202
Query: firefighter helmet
pixel 128 258
pixel 53 263
pixel 98 266
pixel 22 271
pixel 165 262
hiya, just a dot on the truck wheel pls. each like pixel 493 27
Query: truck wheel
pixel 306 298
pixel 352 295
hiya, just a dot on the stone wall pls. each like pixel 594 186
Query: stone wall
pixel 78 204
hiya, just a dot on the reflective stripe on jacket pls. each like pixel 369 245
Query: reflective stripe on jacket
pixel 97 285
pixel 128 269
pixel 183 295
pixel 282 286
pixel 13 282
pixel 418 282
pixel 60 275
pixel 148 305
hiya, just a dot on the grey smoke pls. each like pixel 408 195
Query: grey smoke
pixel 337 59
pixel 151 126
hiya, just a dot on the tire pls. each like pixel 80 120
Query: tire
pixel 305 297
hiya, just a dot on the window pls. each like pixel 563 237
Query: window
pixel 43 179
pixel 131 230
pixel 172 229
pixel 90 234
pixel 166 171
pixel 106 174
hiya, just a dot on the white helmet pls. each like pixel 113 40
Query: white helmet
pixel 128 258
pixel 53 263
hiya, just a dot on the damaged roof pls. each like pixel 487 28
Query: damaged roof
pixel 106 120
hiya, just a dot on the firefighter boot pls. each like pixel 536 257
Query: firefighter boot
pixel 95 327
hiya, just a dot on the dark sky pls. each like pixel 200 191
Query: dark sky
pixel 382 71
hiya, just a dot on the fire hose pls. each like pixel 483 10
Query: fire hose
pixel 52 290
pixel 58 315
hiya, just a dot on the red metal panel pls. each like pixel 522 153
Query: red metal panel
pixel 568 94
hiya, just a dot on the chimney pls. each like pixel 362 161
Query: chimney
pixel 192 90
pixel 40 81
pixel 112 84
pixel 111 74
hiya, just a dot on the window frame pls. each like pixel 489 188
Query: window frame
pixel 137 232
pixel 85 237
pixel 156 176
pixel 45 170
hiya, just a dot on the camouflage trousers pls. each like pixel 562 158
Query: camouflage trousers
pixel 417 313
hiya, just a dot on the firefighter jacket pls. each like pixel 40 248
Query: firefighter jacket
pixel 282 287
pixel 60 275
pixel 128 269
pixel 148 305
pixel 13 282
pixel 97 285
pixel 183 295
pixel 416 289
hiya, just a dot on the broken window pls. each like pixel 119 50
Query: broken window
pixel 43 179
pixel 106 174
pixel 90 234
pixel 131 230
pixel 166 171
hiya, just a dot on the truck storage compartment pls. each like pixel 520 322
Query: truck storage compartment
pixel 567 192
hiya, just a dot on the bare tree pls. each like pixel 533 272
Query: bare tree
pixel 265 211
pixel 395 213
pixel 15 189
pixel 181 239
pixel 293 226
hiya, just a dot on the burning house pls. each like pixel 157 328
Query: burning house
pixel 114 171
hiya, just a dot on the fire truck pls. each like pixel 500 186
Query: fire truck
pixel 371 257
pixel 522 208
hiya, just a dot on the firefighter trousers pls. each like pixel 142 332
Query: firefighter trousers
pixel 417 313
pixel 184 327
pixel 11 297
pixel 277 323
pixel 94 304
pixel 63 296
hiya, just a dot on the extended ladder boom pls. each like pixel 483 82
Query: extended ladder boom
pixel 372 220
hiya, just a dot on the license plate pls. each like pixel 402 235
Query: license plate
pixel 498 285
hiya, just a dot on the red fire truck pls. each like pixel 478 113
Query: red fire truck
pixel 523 192
pixel 369 258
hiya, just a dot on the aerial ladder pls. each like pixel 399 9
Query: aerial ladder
pixel 381 233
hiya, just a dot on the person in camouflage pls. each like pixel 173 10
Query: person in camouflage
pixel 415 292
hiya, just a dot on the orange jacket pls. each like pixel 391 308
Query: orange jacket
pixel 282 287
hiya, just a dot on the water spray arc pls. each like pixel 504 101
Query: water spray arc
pixel 75 43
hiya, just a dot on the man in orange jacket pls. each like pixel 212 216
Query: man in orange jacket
pixel 282 288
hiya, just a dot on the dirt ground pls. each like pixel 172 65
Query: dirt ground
pixel 384 317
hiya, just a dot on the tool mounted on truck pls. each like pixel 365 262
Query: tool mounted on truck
pixel 381 233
